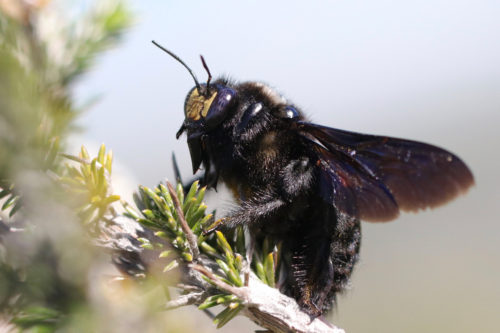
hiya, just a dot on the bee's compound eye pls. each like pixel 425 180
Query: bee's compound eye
pixel 220 106
pixel 288 112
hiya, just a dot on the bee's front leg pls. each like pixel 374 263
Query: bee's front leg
pixel 251 212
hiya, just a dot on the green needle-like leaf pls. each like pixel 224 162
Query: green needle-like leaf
pixel 172 265
pixel 260 271
pixel 101 154
pixel 226 315
pixel 223 243
pixel 190 195
pixel 269 269
pixel 164 254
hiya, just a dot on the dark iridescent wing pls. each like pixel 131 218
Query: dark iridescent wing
pixel 373 177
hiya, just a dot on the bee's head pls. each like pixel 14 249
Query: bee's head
pixel 206 107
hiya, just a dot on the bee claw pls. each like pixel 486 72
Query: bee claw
pixel 311 309
pixel 217 225
pixel 207 232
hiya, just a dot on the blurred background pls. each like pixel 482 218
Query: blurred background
pixel 426 71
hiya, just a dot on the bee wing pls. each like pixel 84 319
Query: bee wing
pixel 373 177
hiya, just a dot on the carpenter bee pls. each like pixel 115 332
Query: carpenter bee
pixel 305 185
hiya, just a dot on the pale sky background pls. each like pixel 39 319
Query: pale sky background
pixel 426 70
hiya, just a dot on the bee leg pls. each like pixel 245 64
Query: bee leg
pixel 251 212
pixel 295 179
pixel 311 275
pixel 255 210
pixel 322 254
pixel 217 225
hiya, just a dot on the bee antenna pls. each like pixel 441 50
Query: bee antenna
pixel 208 71
pixel 173 55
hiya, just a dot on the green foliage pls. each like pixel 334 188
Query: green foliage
pixel 11 199
pixel 43 51
pixel 38 61
pixel 37 296
pixel 265 263
pixel 41 318
pixel 91 183
pixel 158 212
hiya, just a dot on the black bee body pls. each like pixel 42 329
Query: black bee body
pixel 307 186
pixel 273 174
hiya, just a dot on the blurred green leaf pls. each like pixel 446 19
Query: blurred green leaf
pixel 226 315
pixel 37 316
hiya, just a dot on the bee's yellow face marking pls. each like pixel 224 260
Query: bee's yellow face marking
pixel 197 105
